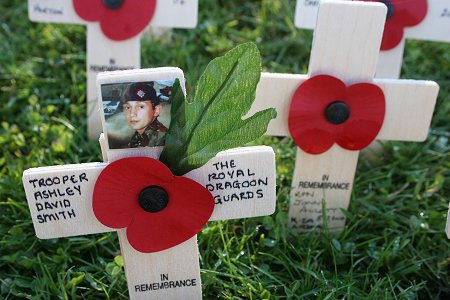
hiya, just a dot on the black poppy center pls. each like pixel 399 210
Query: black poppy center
pixel 337 112
pixel 153 199
pixel 390 8
pixel 113 4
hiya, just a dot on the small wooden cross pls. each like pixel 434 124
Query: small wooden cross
pixel 434 27
pixel 345 45
pixel 103 53
pixel 242 182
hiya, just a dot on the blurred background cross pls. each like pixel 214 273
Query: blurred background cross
pixel 104 53
pixel 432 24
pixel 345 45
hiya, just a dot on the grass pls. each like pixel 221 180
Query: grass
pixel 393 246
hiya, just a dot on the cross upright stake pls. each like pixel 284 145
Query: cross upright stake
pixel 103 53
pixel 345 46
pixel 432 25
pixel 241 181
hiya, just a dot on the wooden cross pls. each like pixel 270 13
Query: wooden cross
pixel 434 27
pixel 103 53
pixel 60 201
pixel 345 45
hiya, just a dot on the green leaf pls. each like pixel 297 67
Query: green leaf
pixel 213 122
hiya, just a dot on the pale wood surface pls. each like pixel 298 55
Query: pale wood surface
pixel 433 28
pixel 409 109
pixel 103 147
pixel 77 208
pixel 345 45
pixel 337 167
pixel 104 54
pixel 251 173
pixel 347 40
pixel 175 14
pixel 150 74
pixel 178 263
pixel 390 62
pixel 276 90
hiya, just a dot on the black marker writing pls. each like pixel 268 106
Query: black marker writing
pixel 311 3
pixel 54 196
pixel 48 10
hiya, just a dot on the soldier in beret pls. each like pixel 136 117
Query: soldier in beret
pixel 141 108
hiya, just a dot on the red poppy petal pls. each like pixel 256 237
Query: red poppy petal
pixel 315 141
pixel 367 109
pixel 392 35
pixel 359 134
pixel 89 10
pixel 190 207
pixel 307 123
pixel 129 20
pixel 115 198
pixel 409 13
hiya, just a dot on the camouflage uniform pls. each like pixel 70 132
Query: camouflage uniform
pixel 154 135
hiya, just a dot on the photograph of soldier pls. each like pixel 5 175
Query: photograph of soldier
pixel 142 107
pixel 137 114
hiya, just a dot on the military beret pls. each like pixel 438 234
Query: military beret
pixel 140 91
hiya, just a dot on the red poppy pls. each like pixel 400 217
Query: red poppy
pixel 324 111
pixel 159 210
pixel 400 14
pixel 119 19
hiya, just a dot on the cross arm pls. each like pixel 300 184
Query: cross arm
pixel 60 199
pixel 432 28
pixel 241 180
pixel 409 109
pixel 53 11
pixel 183 14
pixel 276 90
pixel 178 14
